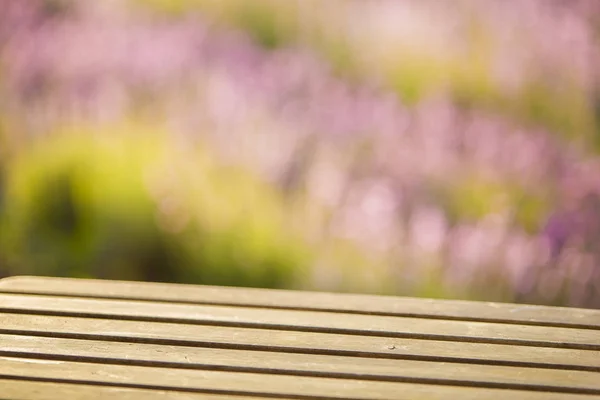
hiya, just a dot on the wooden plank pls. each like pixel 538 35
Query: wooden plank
pixel 297 342
pixel 34 390
pixel 309 321
pixel 223 342
pixel 300 364
pixel 218 382
pixel 361 304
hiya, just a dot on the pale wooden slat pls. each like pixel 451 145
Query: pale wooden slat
pixel 369 304
pixel 28 390
pixel 296 352
pixel 309 321
pixel 299 364
pixel 247 383
pixel 297 342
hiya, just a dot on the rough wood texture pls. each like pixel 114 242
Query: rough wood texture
pixel 79 339
pixel 43 390
pixel 316 301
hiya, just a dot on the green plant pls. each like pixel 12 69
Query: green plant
pixel 126 204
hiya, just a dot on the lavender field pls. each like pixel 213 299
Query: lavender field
pixel 419 148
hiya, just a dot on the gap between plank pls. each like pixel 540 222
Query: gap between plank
pixel 266 326
pixel 297 350
pixel 333 375
pixel 169 388
pixel 315 309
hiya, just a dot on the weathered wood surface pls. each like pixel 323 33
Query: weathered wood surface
pixel 312 301
pixel 79 339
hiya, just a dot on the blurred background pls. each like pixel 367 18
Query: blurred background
pixel 417 148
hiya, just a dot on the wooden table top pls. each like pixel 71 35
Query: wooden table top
pixel 87 339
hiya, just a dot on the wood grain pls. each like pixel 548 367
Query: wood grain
pixel 307 321
pixel 282 299
pixel 274 363
pixel 51 390
pixel 298 342
pixel 79 339
pixel 229 383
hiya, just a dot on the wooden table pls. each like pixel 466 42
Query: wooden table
pixel 87 339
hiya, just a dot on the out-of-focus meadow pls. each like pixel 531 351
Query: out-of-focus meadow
pixel 421 148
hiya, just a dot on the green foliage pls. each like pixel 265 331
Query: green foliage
pixel 474 197
pixel 266 27
pixel 563 109
pixel 123 205
pixel 270 23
